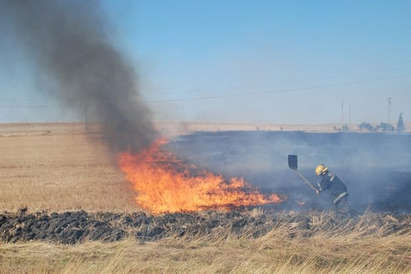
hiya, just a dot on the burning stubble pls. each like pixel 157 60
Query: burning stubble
pixel 69 45
pixel 167 184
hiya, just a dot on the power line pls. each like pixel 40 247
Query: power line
pixel 24 106
pixel 275 92
pixel 194 90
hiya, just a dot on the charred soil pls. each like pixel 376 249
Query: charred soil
pixel 74 227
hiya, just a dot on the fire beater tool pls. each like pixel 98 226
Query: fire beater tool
pixel 293 165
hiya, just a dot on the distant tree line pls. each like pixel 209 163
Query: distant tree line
pixel 384 127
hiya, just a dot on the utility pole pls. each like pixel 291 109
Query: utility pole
pixel 342 113
pixel 400 124
pixel 85 117
pixel 389 110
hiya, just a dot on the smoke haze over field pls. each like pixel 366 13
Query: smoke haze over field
pixel 375 166
pixel 69 45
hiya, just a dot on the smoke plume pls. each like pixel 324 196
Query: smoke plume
pixel 68 42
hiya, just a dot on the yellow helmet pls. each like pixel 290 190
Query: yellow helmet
pixel 321 169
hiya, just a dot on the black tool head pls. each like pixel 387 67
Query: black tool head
pixel 293 162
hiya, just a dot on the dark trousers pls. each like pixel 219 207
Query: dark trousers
pixel 342 206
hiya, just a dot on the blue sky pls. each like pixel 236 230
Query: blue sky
pixel 249 61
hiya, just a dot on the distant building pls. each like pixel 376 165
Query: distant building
pixel 386 127
pixel 366 126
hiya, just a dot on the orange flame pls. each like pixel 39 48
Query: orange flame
pixel 165 184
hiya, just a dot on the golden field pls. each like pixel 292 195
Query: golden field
pixel 58 167
pixel 275 252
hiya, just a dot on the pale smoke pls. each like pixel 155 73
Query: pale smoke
pixel 69 44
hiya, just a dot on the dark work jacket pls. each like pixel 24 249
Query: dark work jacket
pixel 332 184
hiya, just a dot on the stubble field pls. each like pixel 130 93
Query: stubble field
pixel 58 167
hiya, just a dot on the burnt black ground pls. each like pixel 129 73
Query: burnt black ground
pixel 78 226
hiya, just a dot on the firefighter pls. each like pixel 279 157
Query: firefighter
pixel 334 187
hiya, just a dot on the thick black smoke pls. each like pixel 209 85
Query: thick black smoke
pixel 69 43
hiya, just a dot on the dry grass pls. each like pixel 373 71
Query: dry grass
pixel 273 253
pixel 58 167
pixel 55 167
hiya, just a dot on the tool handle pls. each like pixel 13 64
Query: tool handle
pixel 307 182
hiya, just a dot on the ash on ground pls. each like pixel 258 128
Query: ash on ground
pixel 79 226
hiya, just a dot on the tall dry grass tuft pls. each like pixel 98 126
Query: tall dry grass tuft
pixel 279 251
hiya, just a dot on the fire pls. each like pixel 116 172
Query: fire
pixel 165 184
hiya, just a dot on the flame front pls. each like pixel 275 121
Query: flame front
pixel 164 184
